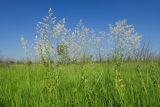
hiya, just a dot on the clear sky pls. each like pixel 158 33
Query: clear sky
pixel 19 17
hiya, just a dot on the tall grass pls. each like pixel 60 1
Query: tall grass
pixel 95 85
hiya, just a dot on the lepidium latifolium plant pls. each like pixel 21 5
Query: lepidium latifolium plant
pixel 125 41
pixel 25 46
pixel 50 47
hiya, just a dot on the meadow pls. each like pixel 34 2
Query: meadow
pixel 82 68
pixel 80 85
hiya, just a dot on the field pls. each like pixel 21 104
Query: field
pixel 80 85
pixel 79 67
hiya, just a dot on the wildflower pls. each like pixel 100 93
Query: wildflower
pixel 25 47
pixel 125 37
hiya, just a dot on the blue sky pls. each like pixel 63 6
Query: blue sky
pixel 19 17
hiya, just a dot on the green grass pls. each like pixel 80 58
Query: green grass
pixel 80 85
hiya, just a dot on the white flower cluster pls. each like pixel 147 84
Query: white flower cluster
pixel 82 43
pixel 50 35
pixel 124 37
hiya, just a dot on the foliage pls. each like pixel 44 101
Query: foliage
pixel 77 86
pixel 63 51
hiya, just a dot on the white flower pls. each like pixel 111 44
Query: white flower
pixel 125 38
